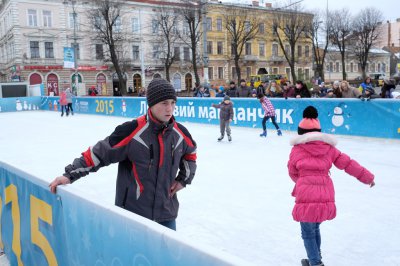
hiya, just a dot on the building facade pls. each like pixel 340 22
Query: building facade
pixel 34 33
pixel 261 55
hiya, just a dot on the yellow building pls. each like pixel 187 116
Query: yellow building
pixel 262 54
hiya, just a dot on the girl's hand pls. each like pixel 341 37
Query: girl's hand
pixel 372 184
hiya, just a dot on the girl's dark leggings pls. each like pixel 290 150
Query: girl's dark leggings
pixel 265 119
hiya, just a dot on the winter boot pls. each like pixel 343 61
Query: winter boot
pixel 264 134
pixel 229 138
pixel 306 262
pixel 279 132
pixel 220 137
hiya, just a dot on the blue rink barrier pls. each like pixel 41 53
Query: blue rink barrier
pixel 40 228
pixel 375 118
pixel 20 104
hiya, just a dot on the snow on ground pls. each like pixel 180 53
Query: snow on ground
pixel 239 201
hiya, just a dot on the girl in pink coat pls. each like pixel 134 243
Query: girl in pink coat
pixel 312 156
pixel 63 102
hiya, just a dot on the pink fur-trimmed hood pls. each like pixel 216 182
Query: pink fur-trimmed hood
pixel 313 136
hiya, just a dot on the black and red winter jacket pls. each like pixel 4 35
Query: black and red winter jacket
pixel 151 156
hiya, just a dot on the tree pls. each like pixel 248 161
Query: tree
pixel 339 32
pixel 105 18
pixel 242 27
pixel 319 29
pixel 366 34
pixel 190 12
pixel 289 26
pixel 167 22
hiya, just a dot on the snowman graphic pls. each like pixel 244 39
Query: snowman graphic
pixel 123 107
pixel 25 105
pixel 337 118
pixel 18 105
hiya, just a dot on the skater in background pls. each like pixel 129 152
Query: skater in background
pixel 156 156
pixel 225 117
pixel 269 112
pixel 69 101
pixel 310 160
pixel 63 102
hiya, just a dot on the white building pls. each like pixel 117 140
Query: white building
pixel 33 34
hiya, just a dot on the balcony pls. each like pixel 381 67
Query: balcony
pixel 276 59
pixel 250 58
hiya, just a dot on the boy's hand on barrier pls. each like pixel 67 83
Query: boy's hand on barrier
pixel 61 180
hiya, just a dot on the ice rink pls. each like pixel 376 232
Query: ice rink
pixel 240 200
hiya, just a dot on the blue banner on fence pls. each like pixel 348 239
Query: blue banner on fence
pixel 375 118
pixel 31 219
pixel 20 104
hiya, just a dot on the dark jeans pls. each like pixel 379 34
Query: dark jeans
pixel 62 109
pixel 312 241
pixel 265 119
pixel 69 108
pixel 170 224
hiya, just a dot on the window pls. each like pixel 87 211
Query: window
pixel 77 50
pixel 32 18
pixel 220 73
pixel 261 28
pixel 156 51
pixel 307 51
pixel 287 49
pixel 211 73
pixel 247 26
pixel 351 67
pixel 48 50
pixel 261 49
pixel 135 25
pixel 186 53
pixel 330 68
pixel 99 52
pixel 186 30
pixel 117 25
pixel 219 24
pixel 34 49
pixel 337 67
pixel 47 19
pixel 234 74
pixel 372 67
pixel 209 24
pixel 175 28
pixel 299 51
pixel 209 47
pixel 233 47
pixel 135 52
pixel 220 48
pixel 177 53
pixel 307 74
pixel 248 48
pixel 275 70
pixel 274 49
pixel 248 72
pixel 154 26
pixel 383 67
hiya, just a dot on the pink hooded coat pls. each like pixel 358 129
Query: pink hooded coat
pixel 309 163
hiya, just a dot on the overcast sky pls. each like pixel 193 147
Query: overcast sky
pixel 389 9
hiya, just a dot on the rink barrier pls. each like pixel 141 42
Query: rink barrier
pixel 41 228
pixel 375 118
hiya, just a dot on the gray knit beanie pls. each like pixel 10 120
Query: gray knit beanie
pixel 159 90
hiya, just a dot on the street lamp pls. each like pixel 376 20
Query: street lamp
pixel 74 15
